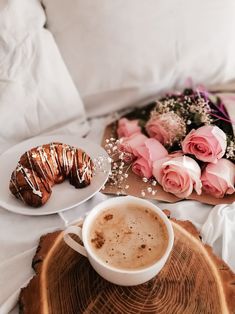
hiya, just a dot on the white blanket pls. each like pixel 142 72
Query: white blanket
pixel 37 94
pixel 24 88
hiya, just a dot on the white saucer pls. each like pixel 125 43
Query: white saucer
pixel 64 196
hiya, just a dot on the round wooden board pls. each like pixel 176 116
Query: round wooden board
pixel 194 280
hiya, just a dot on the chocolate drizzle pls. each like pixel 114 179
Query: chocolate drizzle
pixel 43 166
pixel 44 158
pixel 18 193
pixel 55 157
pixel 27 175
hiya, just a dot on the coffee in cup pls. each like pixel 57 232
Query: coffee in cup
pixel 128 236
pixel 126 239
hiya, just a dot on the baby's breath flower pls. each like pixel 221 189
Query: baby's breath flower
pixel 230 151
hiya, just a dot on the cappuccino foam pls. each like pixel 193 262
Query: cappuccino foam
pixel 129 236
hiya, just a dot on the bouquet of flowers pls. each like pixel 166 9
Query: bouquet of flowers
pixel 182 141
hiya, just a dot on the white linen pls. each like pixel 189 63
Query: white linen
pixel 48 103
pixel 37 94
pixel 19 235
pixel 128 50
pixel 219 232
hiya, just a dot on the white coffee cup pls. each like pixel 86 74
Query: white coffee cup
pixel 113 274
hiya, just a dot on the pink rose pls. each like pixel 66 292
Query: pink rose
pixel 179 175
pixel 149 152
pixel 142 168
pixel 208 143
pixel 127 127
pixel 166 127
pixel 218 179
pixel 129 145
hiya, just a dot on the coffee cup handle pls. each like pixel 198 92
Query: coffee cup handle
pixel 71 242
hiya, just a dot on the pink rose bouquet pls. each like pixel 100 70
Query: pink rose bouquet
pixel 187 144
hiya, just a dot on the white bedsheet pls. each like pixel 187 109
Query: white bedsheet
pixel 19 235
pixel 37 94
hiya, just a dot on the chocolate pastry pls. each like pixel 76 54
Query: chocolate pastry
pixel 41 167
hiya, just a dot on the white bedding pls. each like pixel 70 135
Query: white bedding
pixel 130 50
pixel 37 96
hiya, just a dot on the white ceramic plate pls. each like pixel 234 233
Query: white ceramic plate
pixel 64 196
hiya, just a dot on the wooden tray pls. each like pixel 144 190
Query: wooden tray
pixel 193 281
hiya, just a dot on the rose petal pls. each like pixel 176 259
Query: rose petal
pixel 142 151
pixel 157 168
pixel 156 149
pixel 152 149
pixel 221 138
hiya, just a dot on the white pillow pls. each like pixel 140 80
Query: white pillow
pixel 128 50
pixel 37 94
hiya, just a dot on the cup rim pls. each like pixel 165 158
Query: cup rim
pixel 102 206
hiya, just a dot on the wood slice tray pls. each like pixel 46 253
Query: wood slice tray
pixel 194 280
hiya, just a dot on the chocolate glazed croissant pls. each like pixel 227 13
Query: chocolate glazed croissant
pixel 41 167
